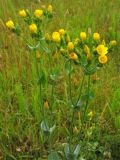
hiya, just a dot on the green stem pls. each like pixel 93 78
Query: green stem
pixel 70 88
pixel 87 101
pixel 80 91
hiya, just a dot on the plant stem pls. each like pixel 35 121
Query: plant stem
pixel 80 91
pixel 87 101
pixel 70 89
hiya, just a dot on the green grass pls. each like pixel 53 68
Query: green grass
pixel 20 113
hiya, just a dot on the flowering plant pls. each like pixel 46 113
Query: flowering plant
pixel 83 55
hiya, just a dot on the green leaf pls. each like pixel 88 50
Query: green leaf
pixel 77 151
pixel 45 128
pixel 53 156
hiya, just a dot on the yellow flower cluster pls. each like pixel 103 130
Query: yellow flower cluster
pixel 56 37
pixel 62 32
pixel 50 8
pixel 33 28
pixel 22 13
pixel 83 36
pixel 96 36
pixel 70 46
pixel 38 13
pixel 102 51
pixel 73 56
pixel 87 51
pixel 10 24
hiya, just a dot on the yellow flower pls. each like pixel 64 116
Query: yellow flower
pixel 62 32
pixel 103 59
pixel 113 43
pixel 38 13
pixel 38 55
pixel 10 24
pixel 101 49
pixel 47 37
pixel 33 28
pixel 50 8
pixel 90 115
pixel 56 37
pixel 70 46
pixel 83 35
pixel 86 49
pixel 96 36
pixel 46 105
pixel 22 13
pixel 73 56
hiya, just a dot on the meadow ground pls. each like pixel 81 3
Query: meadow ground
pixel 20 114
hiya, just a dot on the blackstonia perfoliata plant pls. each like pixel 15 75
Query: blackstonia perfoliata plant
pixel 86 54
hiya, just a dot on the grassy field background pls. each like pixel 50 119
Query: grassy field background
pixel 19 133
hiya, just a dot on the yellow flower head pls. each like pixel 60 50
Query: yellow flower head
pixel 33 28
pixel 73 56
pixel 62 32
pixel 103 59
pixel 10 24
pixel 47 37
pixel 86 49
pixel 38 13
pixel 113 43
pixel 50 8
pixel 96 36
pixel 22 13
pixel 46 105
pixel 90 114
pixel 56 37
pixel 83 35
pixel 101 49
pixel 70 46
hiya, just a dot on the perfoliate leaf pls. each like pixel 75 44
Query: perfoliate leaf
pixel 53 156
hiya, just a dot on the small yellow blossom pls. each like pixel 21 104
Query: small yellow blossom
pixel 38 13
pixel 96 36
pixel 103 59
pixel 62 32
pixel 73 56
pixel 22 13
pixel 46 105
pixel 10 24
pixel 70 46
pixel 101 49
pixel 83 35
pixel 38 55
pixel 33 28
pixel 86 49
pixel 50 8
pixel 90 115
pixel 56 37
pixel 113 43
